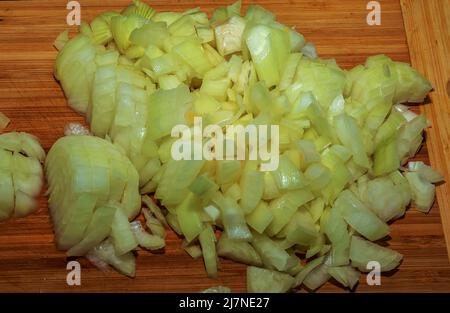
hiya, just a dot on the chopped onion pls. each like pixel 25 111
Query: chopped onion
pixel 343 137
pixel 61 40
pixel 146 240
pixel 267 281
pixel 422 191
pixel 425 171
pixel 217 289
pixel 238 250
pixel 125 263
pixel 75 129
pixel 362 252
pixel 21 175
pixel 85 173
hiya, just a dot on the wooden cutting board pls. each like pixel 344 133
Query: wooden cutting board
pixel 35 103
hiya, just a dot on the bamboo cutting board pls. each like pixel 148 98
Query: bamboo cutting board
pixel 34 102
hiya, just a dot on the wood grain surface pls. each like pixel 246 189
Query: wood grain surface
pixel 35 103
pixel 428 36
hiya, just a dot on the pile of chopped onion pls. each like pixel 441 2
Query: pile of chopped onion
pixel 344 138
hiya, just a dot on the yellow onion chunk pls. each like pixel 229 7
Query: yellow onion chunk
pixel 21 174
pixel 89 179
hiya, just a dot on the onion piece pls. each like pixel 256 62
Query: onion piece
pixel 125 263
pixel 347 276
pixel 425 171
pixel 358 216
pixel 207 239
pixel 217 289
pixel 4 121
pixel 75 129
pixel 193 250
pixel 343 136
pixel 264 280
pixel 85 173
pixel 422 191
pixel 237 250
pixel 21 174
pixel 362 252
pixel 61 40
